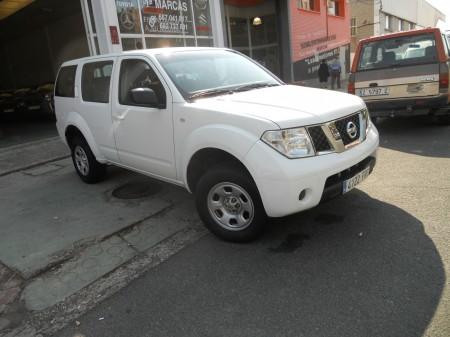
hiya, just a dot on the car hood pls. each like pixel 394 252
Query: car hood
pixel 287 105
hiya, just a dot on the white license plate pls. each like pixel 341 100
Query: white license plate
pixel 372 92
pixel 349 184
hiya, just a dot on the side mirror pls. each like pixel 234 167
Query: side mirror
pixel 144 96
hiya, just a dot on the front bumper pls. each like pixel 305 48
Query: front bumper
pixel 281 180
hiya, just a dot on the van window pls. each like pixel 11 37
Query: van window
pixel 65 83
pixel 399 51
pixel 95 81
pixel 135 73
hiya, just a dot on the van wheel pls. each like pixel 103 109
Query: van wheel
pixel 87 167
pixel 229 204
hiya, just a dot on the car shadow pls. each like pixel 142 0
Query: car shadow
pixel 416 135
pixel 352 267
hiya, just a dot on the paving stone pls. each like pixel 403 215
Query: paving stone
pixel 9 295
pixel 154 230
pixel 43 169
pixel 92 264
pixel 4 323
pixel 44 218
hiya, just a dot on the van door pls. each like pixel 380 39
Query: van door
pixel 399 67
pixel 143 130
pixel 94 103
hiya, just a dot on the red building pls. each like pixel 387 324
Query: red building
pixel 319 29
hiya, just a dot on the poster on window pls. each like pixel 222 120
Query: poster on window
pixel 128 16
pixel 202 17
pixel 172 17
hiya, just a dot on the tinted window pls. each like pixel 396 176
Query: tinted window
pixel 399 51
pixel 65 84
pixel 95 81
pixel 138 74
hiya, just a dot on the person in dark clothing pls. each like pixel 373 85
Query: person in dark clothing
pixel 323 73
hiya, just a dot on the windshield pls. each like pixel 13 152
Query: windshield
pixel 213 72
pixel 398 51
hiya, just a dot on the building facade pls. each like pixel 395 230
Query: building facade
pixel 289 37
pixel 377 17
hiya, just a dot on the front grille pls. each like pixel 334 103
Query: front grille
pixel 319 139
pixel 341 126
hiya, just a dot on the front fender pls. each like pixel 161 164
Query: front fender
pixel 76 120
pixel 230 139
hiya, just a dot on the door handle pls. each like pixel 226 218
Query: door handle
pixel 120 117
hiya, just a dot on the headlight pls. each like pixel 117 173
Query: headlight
pixel 293 143
pixel 367 122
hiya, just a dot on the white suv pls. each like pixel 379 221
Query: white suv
pixel 216 122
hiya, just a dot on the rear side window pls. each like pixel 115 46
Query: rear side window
pixel 398 51
pixel 95 81
pixel 65 84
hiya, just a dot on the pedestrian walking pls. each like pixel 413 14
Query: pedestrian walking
pixel 335 68
pixel 323 73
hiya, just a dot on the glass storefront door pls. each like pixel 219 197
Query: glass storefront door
pixel 251 27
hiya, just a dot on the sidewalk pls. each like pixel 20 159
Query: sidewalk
pixel 66 243
pixel 28 155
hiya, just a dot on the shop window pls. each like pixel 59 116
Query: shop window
pixel 353 26
pixel 309 5
pixel 95 81
pixel 336 7
pixel 65 84
pixel 136 73
pixel 132 44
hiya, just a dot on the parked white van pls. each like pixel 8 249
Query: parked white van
pixel 216 122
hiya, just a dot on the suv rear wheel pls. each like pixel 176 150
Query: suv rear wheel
pixel 87 167
pixel 229 204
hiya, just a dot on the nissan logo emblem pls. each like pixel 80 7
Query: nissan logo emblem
pixel 352 130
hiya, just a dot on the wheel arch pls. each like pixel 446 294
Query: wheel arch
pixel 204 159
pixel 77 127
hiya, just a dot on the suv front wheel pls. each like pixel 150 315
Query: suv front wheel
pixel 229 204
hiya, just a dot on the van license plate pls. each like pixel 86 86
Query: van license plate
pixel 349 184
pixel 372 92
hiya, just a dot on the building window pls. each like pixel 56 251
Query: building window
pixel 354 28
pixel 411 26
pixel 336 7
pixel 150 24
pixel 309 5
pixel 387 22
pixel 400 25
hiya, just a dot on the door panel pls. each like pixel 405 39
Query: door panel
pixel 144 134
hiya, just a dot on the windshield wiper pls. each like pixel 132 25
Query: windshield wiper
pixel 213 92
pixel 252 86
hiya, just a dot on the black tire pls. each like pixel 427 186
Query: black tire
pixel 222 175
pixel 94 172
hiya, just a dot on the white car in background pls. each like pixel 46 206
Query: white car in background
pixel 216 122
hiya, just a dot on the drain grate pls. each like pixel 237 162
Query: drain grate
pixel 137 190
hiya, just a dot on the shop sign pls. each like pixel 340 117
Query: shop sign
pixel 307 68
pixel 128 16
pixel 173 17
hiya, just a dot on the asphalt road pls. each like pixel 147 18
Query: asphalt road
pixel 371 263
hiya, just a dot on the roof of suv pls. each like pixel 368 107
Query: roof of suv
pixel 397 34
pixel 153 51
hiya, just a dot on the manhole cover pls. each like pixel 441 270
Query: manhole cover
pixel 136 190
